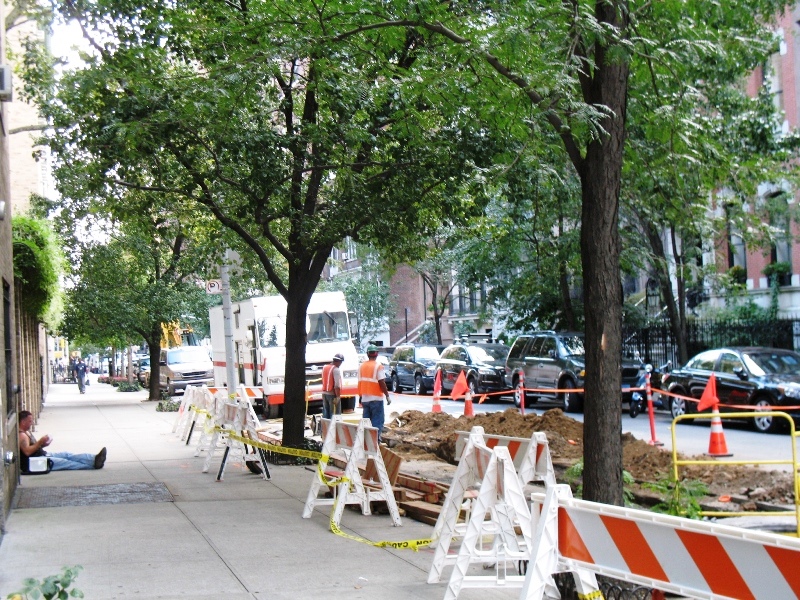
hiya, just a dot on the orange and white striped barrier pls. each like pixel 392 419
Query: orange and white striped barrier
pixel 690 558
pixel 359 443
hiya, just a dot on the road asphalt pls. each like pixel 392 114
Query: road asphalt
pixel 151 524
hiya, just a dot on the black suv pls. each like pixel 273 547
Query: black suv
pixel 413 366
pixel 483 366
pixel 551 361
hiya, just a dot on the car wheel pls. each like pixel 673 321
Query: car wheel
pixel 570 401
pixel 396 384
pixel 473 387
pixel 767 424
pixel 678 406
pixel 518 393
pixel 419 387
pixel 271 411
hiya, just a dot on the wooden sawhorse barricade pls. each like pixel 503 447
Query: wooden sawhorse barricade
pixel 358 442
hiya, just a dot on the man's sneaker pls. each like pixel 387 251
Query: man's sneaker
pixel 100 459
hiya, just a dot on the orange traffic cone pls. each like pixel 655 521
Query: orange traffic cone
pixel 468 410
pixel 716 444
pixel 437 391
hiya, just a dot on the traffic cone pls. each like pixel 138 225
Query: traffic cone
pixel 468 409
pixel 437 391
pixel 716 444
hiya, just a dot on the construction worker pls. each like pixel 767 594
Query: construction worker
pixel 372 388
pixel 332 387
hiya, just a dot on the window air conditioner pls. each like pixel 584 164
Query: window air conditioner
pixel 5 83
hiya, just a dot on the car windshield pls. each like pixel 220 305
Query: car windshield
pixel 572 345
pixel 488 354
pixel 427 352
pixel 189 354
pixel 773 363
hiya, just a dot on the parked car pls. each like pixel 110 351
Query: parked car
pixel 753 376
pixel 185 365
pixel 482 364
pixel 413 366
pixel 143 371
pixel 551 360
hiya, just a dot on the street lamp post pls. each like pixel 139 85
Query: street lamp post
pixel 406 338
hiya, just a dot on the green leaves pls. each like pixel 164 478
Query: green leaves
pixel 38 265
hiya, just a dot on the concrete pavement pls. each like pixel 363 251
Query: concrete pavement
pixel 185 535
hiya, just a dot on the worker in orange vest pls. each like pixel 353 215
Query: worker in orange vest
pixel 332 387
pixel 372 389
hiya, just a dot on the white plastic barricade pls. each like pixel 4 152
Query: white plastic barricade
pixel 691 558
pixel 531 455
pixel 358 442
pixel 501 499
pixel 236 416
pixel 501 495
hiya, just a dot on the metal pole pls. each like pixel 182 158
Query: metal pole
pixel 230 368
pixel 406 338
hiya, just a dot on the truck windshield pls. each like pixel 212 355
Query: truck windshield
pixel 328 326
pixel 188 354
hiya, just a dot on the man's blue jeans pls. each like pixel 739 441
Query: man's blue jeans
pixel 373 411
pixel 66 461
pixel 327 406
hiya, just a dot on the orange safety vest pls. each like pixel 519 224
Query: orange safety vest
pixel 368 384
pixel 327 379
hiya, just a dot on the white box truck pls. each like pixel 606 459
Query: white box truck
pixel 259 338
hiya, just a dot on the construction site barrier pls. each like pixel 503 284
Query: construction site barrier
pixel 677 463
pixel 691 558
pixel 501 499
pixel 687 557
pixel 357 442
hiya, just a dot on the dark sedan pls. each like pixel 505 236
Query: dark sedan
pixel 753 376
pixel 483 366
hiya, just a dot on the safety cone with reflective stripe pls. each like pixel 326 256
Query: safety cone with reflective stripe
pixel 468 409
pixel 437 391
pixel 716 444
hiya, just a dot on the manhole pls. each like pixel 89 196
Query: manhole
pixel 87 495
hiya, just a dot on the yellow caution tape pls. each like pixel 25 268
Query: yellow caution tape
pixel 271 447
pixel 414 545
pixel 595 595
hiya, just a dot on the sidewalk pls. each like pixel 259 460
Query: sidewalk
pixel 178 533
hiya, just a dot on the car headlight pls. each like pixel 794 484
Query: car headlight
pixel 275 380
pixel 486 371
pixel 582 373
pixel 210 373
pixel 790 390
pixel 350 374
pixel 177 376
pixel 430 372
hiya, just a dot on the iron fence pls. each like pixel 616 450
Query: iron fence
pixel 655 343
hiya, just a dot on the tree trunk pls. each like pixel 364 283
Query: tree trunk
pixel 294 403
pixel 154 343
pixel 600 250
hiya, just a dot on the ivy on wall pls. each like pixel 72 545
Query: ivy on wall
pixel 38 265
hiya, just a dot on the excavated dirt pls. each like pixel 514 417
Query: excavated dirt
pixel 428 440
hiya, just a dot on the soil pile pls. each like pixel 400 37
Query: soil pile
pixel 419 436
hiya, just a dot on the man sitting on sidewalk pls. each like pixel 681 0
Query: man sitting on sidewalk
pixel 62 461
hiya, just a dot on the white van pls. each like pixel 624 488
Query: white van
pixel 185 365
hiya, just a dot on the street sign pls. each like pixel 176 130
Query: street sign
pixel 214 286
